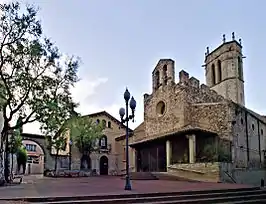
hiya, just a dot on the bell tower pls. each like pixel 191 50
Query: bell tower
pixel 224 70
pixel 163 74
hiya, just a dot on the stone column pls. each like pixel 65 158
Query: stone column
pixel 133 159
pixel 192 148
pixel 168 153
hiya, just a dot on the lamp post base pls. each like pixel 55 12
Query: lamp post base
pixel 128 185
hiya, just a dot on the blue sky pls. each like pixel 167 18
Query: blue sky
pixel 120 42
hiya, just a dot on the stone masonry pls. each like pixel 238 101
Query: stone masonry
pixel 218 107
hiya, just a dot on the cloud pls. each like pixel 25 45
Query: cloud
pixel 86 87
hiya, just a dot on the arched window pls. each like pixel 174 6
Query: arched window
pixel 109 124
pixel 97 121
pixel 219 65
pixel 104 123
pixel 165 74
pixel 240 70
pixel 157 79
pixel 103 142
pixel 213 74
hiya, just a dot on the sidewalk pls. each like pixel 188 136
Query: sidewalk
pixel 54 187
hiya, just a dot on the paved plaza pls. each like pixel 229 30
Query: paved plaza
pixel 106 185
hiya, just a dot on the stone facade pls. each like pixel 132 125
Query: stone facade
pixel 199 111
pixel 112 152
pixel 224 71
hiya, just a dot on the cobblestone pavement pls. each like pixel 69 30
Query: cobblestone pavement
pixel 51 187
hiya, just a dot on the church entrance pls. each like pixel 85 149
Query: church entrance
pixel 104 165
pixel 151 157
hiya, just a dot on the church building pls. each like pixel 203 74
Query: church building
pixel 204 132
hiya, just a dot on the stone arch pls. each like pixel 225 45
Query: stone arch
pixel 37 142
pixel 36 157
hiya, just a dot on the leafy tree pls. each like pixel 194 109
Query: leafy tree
pixel 14 145
pixel 58 142
pixel 36 78
pixel 84 133
pixel 22 158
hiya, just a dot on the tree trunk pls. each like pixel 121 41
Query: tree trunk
pixel 55 163
pixel 12 162
pixel 2 178
pixel 4 142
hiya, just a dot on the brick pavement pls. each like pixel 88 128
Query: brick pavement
pixel 51 187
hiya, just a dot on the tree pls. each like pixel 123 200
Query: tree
pixel 58 142
pixel 36 77
pixel 14 145
pixel 84 133
pixel 22 158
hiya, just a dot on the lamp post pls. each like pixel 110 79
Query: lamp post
pixel 122 113
pixel 70 154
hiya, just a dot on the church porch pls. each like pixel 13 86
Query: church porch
pixel 183 147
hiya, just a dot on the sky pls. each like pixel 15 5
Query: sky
pixel 121 41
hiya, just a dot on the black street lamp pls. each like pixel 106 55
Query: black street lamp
pixel 70 154
pixel 122 113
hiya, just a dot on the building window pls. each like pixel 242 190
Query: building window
pixel 219 65
pixel 242 122
pixel 109 124
pixel 97 121
pixel 157 79
pixel 261 131
pixel 253 127
pixel 104 123
pixel 103 142
pixel 213 74
pixel 33 159
pixel 31 147
pixel 165 74
pixel 239 65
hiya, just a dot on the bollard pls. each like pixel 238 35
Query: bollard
pixel 262 183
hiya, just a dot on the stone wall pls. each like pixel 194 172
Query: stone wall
pixel 208 172
pixel 247 176
pixel 218 172
pixel 186 103
pixel 249 138
pixel 112 130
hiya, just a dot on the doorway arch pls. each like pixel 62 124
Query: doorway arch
pixel 104 165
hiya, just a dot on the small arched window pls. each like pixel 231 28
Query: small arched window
pixel 157 79
pixel 104 123
pixel 219 65
pixel 213 74
pixel 109 124
pixel 165 74
pixel 97 121
pixel 240 69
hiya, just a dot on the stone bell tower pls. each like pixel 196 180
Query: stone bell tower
pixel 224 70
pixel 163 74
